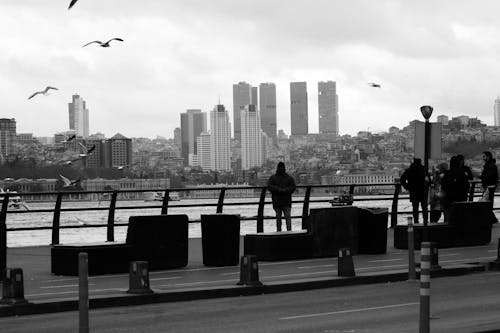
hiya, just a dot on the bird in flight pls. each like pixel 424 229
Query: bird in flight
pixel 86 151
pixel 67 182
pixel 68 139
pixel 121 167
pixel 72 3
pixel 104 44
pixel 69 162
pixel 374 85
pixel 43 92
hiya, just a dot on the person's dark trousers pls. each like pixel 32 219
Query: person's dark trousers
pixel 415 205
pixel 435 215
pixel 491 194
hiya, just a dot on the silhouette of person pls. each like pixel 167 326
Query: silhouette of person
pixel 282 185
pixel 489 175
pixel 468 176
pixel 414 181
pixel 455 185
pixel 436 193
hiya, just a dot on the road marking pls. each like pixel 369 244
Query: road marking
pixel 195 283
pixel 64 286
pixel 492 251
pixel 75 292
pixel 449 254
pixel 166 278
pixel 383 260
pixel 317 266
pixel 467 259
pixel 349 311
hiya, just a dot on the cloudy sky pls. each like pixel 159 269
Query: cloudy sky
pixel 187 54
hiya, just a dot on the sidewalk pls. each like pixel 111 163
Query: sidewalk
pixel 48 293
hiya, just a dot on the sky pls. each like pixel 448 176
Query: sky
pixel 187 54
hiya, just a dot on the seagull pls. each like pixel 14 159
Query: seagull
pixel 86 151
pixel 69 162
pixel 68 139
pixel 121 167
pixel 43 92
pixel 374 85
pixel 72 3
pixel 106 44
pixel 67 182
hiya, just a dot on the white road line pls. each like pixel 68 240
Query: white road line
pixel 493 251
pixel 449 254
pixel 383 260
pixel 195 283
pixel 75 292
pixel 317 266
pixel 64 286
pixel 166 278
pixel 349 311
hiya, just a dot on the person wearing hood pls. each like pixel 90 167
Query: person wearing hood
pixel 414 180
pixel 489 176
pixel 282 185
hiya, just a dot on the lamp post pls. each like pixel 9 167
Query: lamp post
pixel 426 112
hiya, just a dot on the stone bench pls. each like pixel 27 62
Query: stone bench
pixel 274 246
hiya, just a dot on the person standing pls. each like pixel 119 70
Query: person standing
pixel 489 176
pixel 468 176
pixel 436 193
pixel 455 185
pixel 414 181
pixel 282 185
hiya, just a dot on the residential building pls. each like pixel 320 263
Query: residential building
pixel 328 107
pixel 117 151
pixel 7 137
pixel 78 116
pixel 204 151
pixel 298 108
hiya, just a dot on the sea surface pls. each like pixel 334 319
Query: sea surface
pixel 126 209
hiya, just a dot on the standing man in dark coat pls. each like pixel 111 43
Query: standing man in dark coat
pixel 414 180
pixel 489 176
pixel 282 185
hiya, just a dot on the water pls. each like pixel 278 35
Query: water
pixel 88 235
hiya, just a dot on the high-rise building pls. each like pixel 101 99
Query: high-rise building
pixel 267 105
pixel 96 158
pixel 177 136
pixel 298 108
pixel 78 116
pixel 220 139
pixel 193 122
pixel 117 151
pixel 204 151
pixel 243 94
pixel 328 108
pixel 496 111
pixel 7 137
pixel 255 97
pixel 251 138
pixel 442 119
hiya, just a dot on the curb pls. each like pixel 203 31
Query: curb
pixel 231 291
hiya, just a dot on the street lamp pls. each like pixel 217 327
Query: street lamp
pixel 426 112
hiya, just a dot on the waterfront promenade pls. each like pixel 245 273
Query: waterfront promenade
pixel 49 293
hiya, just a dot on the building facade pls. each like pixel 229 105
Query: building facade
pixel 7 137
pixel 242 95
pixel 496 111
pixel 117 151
pixel 298 108
pixel 328 108
pixel 193 122
pixel 267 106
pixel 78 116
pixel 220 139
pixel 251 138
pixel 204 151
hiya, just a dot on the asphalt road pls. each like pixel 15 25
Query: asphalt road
pixel 458 304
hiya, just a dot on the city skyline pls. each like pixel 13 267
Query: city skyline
pixel 418 53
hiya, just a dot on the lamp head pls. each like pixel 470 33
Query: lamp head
pixel 426 111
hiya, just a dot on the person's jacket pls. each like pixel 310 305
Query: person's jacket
pixel 455 185
pixel 489 176
pixel 413 180
pixel 281 186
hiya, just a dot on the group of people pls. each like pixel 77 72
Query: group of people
pixel 445 185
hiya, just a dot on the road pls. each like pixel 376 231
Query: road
pixel 458 304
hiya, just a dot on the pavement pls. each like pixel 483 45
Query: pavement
pixel 47 293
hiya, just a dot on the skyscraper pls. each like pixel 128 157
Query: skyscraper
pixel 243 94
pixel 251 138
pixel 203 151
pixel 298 108
pixel 328 108
pixel 193 122
pixel 496 111
pixel 220 139
pixel 78 116
pixel 267 105
pixel 7 137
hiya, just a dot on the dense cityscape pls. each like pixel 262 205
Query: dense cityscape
pixel 242 152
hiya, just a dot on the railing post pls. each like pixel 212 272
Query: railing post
pixel 260 210
pixel 3 235
pixel 111 217
pixel 351 189
pixel 220 203
pixel 56 220
pixel 305 208
pixel 164 203
pixel 471 191
pixel 394 209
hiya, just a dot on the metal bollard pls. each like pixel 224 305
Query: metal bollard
pixel 425 287
pixel 13 287
pixel 345 265
pixel 434 256
pixel 412 275
pixel 83 292
pixel 139 278
pixel 249 271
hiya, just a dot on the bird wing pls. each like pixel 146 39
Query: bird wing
pixel 75 182
pixel 34 94
pixel 49 87
pixel 96 41
pixel 91 149
pixel 65 180
pixel 72 3
pixel 118 39
pixel 71 138
pixel 84 148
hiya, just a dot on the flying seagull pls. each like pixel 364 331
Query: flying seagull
pixel 69 162
pixel 68 139
pixel 374 85
pixel 121 167
pixel 105 44
pixel 72 3
pixel 43 92
pixel 67 182
pixel 86 151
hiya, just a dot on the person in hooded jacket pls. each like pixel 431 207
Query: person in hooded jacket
pixel 455 184
pixel 282 185
pixel 414 180
pixel 489 176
